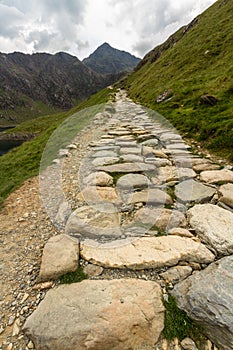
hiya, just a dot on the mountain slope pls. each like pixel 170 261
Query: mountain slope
pixel 107 60
pixel 31 85
pixel 197 60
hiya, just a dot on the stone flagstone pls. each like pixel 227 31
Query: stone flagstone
pixel 216 176
pixel 161 218
pixel 94 221
pixel 152 196
pixel 145 253
pixel 127 168
pixel 214 226
pixel 98 179
pixel 227 194
pixel 60 255
pixel 94 194
pixel 133 181
pixel 95 315
pixel 105 161
pixel 193 191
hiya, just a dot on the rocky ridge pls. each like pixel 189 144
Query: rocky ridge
pixel 129 196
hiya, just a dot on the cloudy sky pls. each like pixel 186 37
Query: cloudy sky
pixel 80 26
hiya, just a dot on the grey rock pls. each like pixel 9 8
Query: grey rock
pixel 214 227
pixel 193 191
pixel 93 270
pixel 97 315
pixel 207 298
pixel 104 154
pixel 60 255
pixel 151 196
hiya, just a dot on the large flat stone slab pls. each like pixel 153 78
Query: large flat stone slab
pixel 94 221
pixel 214 226
pixel 97 315
pixel 207 298
pixel 128 168
pixel 60 255
pixel 217 176
pixel 104 153
pixel 193 191
pixel 145 253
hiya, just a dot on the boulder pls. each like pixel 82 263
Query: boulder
pixel 217 176
pixel 60 255
pixel 145 252
pixel 213 226
pixel 96 315
pixel 207 297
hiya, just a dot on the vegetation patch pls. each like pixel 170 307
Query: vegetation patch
pixel 73 277
pixel 177 324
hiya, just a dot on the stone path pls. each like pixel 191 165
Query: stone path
pixel 135 204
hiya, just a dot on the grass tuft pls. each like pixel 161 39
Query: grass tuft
pixel 73 277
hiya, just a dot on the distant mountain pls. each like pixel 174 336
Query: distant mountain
pixel 189 79
pixel 107 60
pixel 31 85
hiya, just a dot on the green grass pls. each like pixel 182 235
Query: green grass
pixel 23 162
pixel 177 324
pixel 73 277
pixel 190 72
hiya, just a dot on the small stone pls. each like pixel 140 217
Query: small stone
pixel 2 329
pixel 16 327
pixel 179 231
pixel 11 320
pixel 176 274
pixel 26 295
pixel 30 345
pixel 93 270
pixel 10 347
pixel 188 344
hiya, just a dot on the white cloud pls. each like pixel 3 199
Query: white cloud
pixel 79 26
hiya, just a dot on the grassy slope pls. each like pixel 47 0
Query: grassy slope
pixel 190 72
pixel 23 162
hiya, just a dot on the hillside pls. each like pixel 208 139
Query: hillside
pixel 195 61
pixel 39 84
pixel 107 60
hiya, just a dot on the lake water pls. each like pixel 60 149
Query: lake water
pixel 6 146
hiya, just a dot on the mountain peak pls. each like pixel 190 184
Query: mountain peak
pixel 108 60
